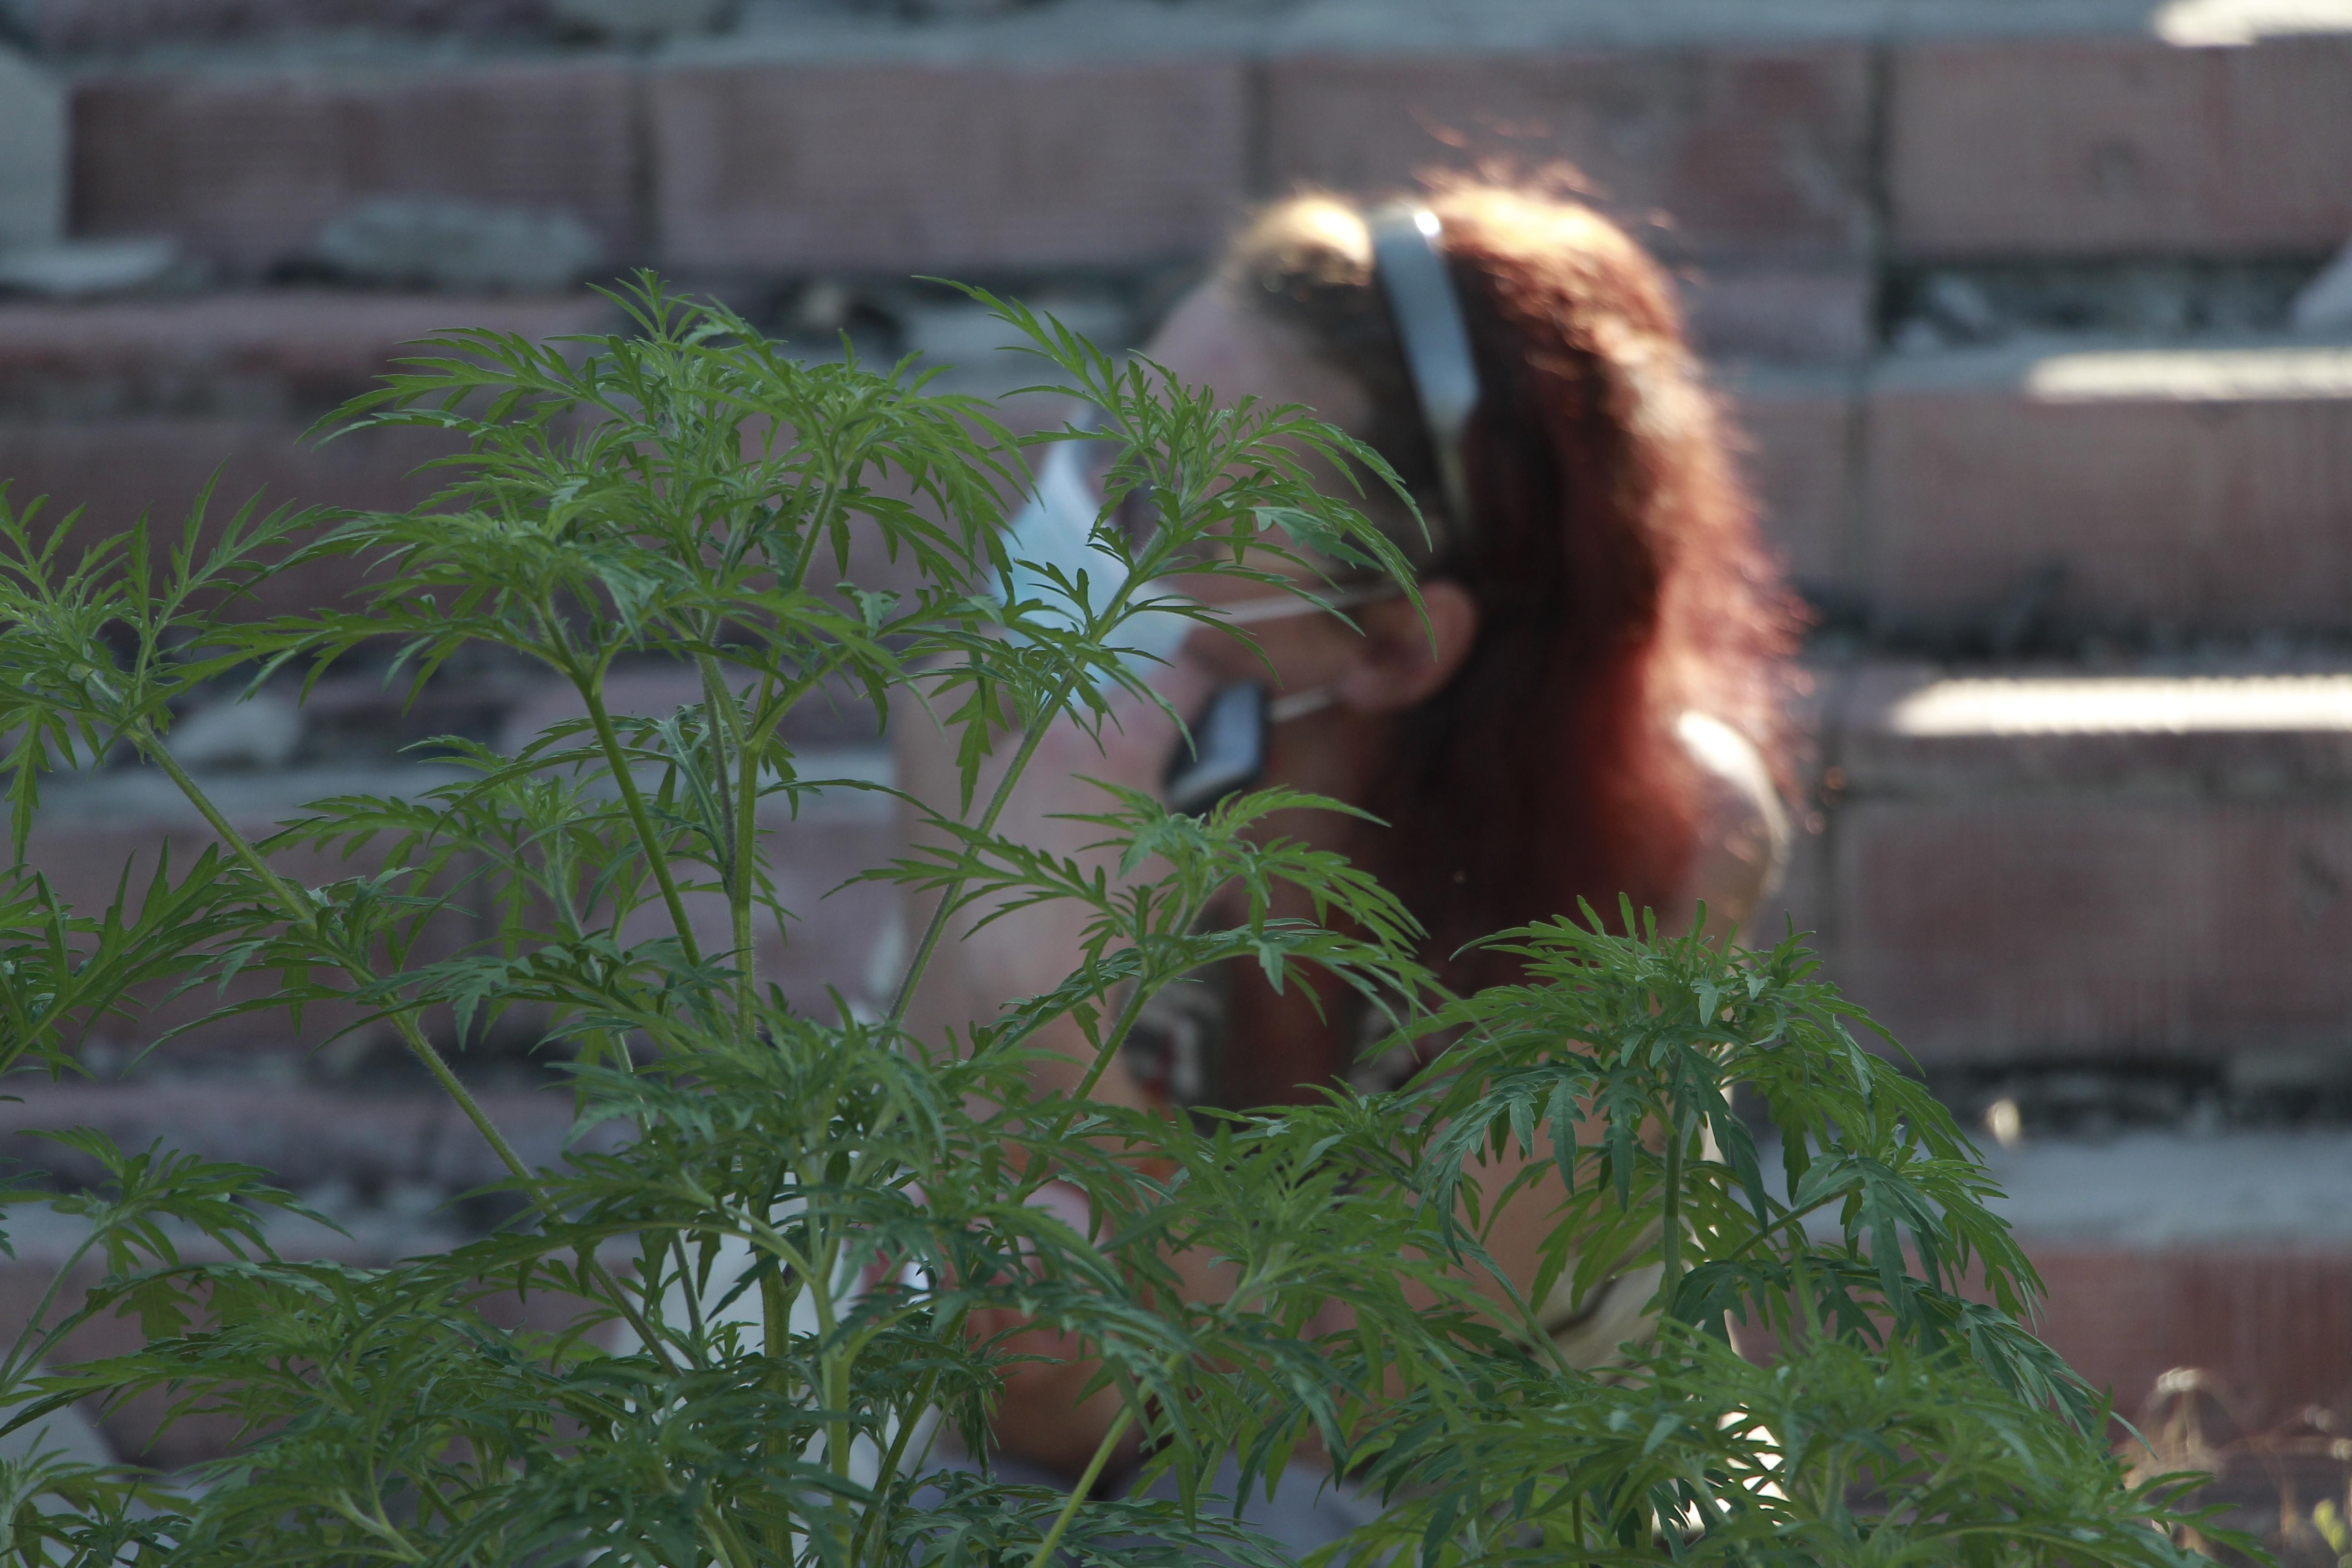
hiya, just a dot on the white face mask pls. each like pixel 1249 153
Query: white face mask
pixel 1056 530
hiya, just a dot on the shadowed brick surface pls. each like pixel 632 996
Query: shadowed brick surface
pixel 2200 489
pixel 134 406
pixel 1803 315
pixel 2102 146
pixel 2009 930
pixel 1753 153
pixel 2274 1325
pixel 283 353
pixel 896 166
pixel 118 470
pixel 2225 1250
pixel 247 168
pixel 2127 869
pixel 1798 434
pixel 373 1139
pixel 87 833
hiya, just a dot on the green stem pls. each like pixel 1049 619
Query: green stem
pixel 736 804
pixel 945 909
pixel 11 1368
pixel 298 913
pixel 874 1525
pixel 1084 1487
pixel 1670 1242
pixel 592 692
pixel 725 1544
pixel 1111 1042
pixel 818 523
pixel 775 1342
pixel 749 745
pixel 1246 1290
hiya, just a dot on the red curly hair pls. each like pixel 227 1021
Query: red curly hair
pixel 1612 552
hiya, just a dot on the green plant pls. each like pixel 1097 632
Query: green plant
pixel 777 1273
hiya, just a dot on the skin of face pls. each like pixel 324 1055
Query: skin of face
pixel 1389 659
pixel 1378 660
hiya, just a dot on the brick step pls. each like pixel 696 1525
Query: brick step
pixel 2145 870
pixel 2112 489
pixel 1999 498
pixel 289 354
pixel 2131 868
pixel 130 407
pixel 93 825
pixel 358 1148
pixel 369 1228
pixel 831 944
pixel 2024 497
pixel 1098 134
pixel 2229 1253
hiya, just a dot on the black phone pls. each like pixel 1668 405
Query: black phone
pixel 1225 751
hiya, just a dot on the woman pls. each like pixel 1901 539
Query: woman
pixel 1587 711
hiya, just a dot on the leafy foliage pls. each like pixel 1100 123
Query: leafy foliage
pixel 773 1291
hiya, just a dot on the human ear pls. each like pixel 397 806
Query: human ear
pixel 1403 662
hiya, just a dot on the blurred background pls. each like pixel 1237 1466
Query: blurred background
pixel 2037 315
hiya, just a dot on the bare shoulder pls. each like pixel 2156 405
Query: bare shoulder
pixel 1743 825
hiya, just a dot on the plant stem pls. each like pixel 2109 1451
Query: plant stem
pixel 299 911
pixel 592 692
pixel 1084 1487
pixel 1111 1042
pixel 736 801
pixel 724 1543
pixel 945 909
pixel 1670 1242
pixel 14 1366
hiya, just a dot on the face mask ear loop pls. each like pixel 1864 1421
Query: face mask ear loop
pixel 1283 606
pixel 1299 704
pixel 1411 268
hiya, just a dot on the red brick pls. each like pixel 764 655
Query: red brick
pixel 370 1138
pixel 1780 314
pixel 2034 867
pixel 1910 732
pixel 83 861
pixel 2002 929
pixel 1802 897
pixel 274 354
pixel 2099 146
pixel 2267 1324
pixel 133 1427
pixel 828 947
pixel 831 945
pixel 2273 1328
pixel 246 168
pixel 1797 429
pixel 2203 490
pixel 1756 153
pixel 117 470
pixel 892 167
